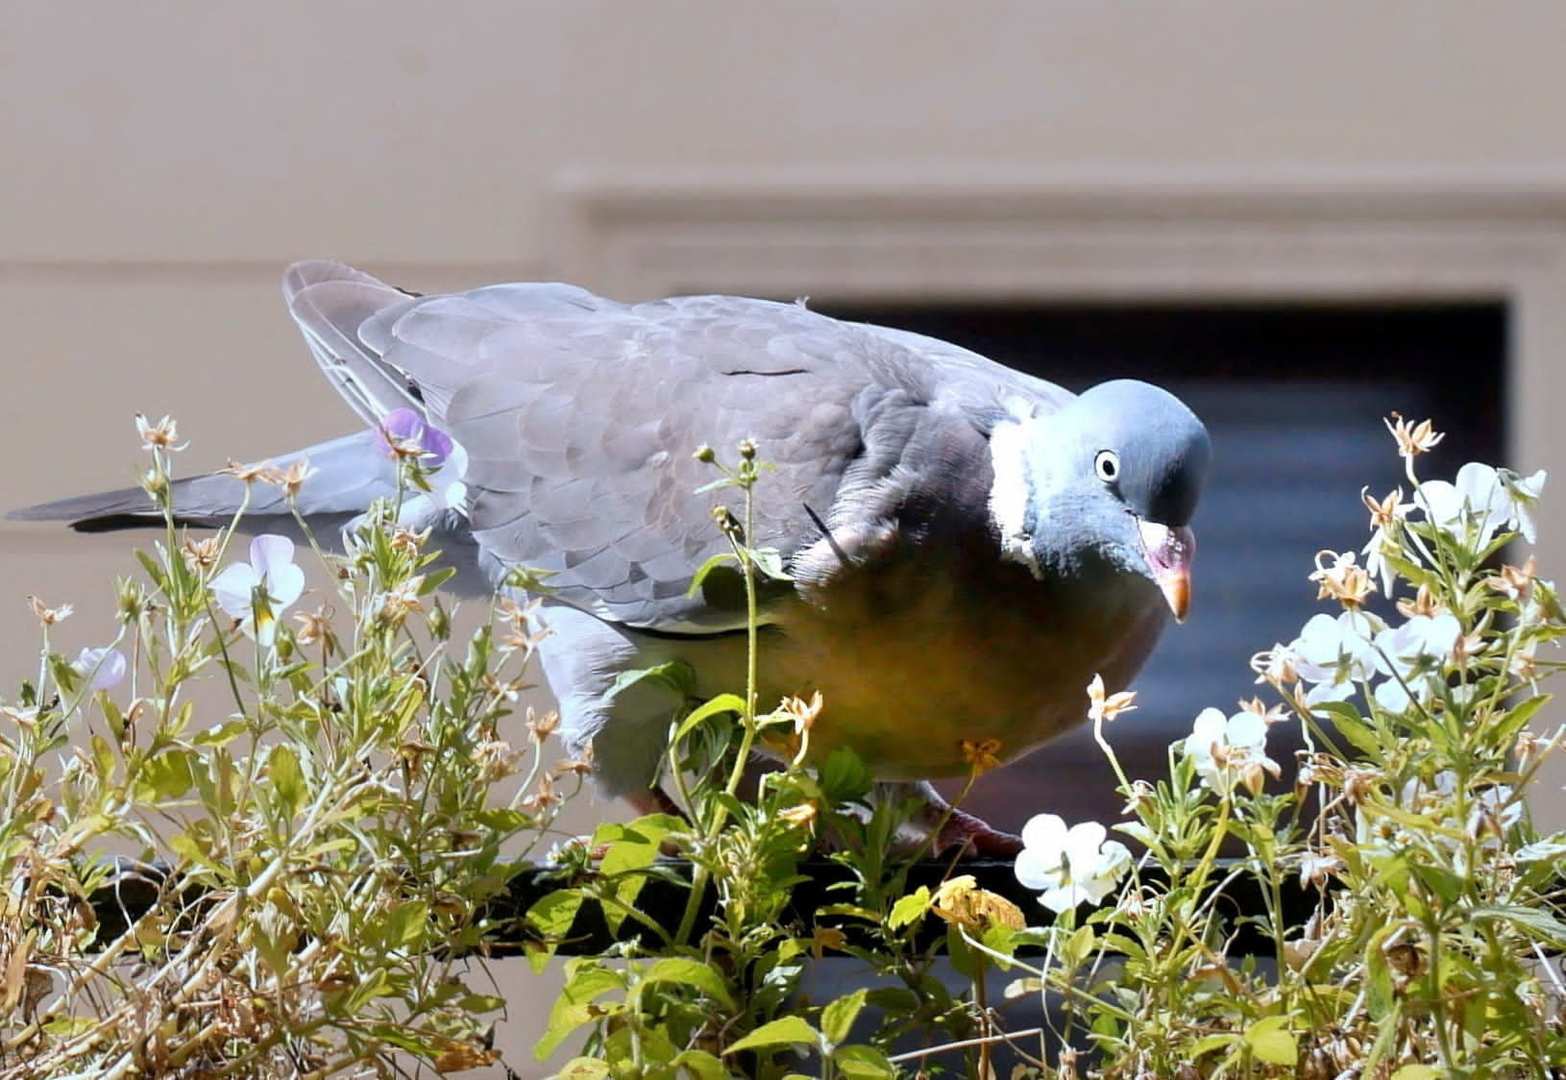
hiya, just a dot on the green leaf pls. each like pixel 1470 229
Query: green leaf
pixel 166 776
pixel 553 915
pixel 701 1065
pixel 1517 718
pixel 676 675
pixel 721 704
pixel 770 563
pixel 909 909
pixel 860 1062
pixel 585 981
pixel 708 567
pixel 1077 947
pixel 844 777
pixel 282 768
pixel 1346 718
pixel 837 1019
pixel 583 1069
pixel 405 924
pixel 1416 1072
pixel 435 579
pixel 1525 918
pixel 1378 974
pixel 1271 1041
pixel 678 969
pixel 630 847
pixel 1209 1043
pixel 221 734
pixel 785 1031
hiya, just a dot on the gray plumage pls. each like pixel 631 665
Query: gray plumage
pixel 978 566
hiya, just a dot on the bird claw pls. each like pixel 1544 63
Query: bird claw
pixel 979 839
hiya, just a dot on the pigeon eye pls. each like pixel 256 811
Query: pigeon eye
pixel 1107 466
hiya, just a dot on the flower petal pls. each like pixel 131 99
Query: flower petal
pixel 437 446
pixel 1037 869
pixel 1246 729
pixel 270 552
pixel 1045 833
pixel 284 585
pixel 102 668
pixel 232 588
pixel 1063 899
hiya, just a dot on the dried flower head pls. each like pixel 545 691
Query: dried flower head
pixel 960 901
pixel 581 765
pixel 398 603
pixel 1413 439
pixel 408 541
pixel 498 759
pixel 164 435
pixel 982 755
pixel 1424 603
pixel 803 713
pixel 291 479
pixel 316 627
pixel 48 616
pixel 1342 579
pixel 541 726
pixel 1275 666
pixel 1387 512
pixel 1101 708
pixel 1514 582
pixel 544 796
pixel 203 554
pixel 245 474
pixel 802 816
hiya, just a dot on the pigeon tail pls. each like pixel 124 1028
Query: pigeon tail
pixel 347 474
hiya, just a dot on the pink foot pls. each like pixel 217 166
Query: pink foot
pixel 963 830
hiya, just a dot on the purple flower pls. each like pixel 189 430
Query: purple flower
pixel 102 668
pixel 405 425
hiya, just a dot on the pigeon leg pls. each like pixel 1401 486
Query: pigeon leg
pixel 964 830
pixel 653 800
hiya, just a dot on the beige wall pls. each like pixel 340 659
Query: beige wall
pixel 160 163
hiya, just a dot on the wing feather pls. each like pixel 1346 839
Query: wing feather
pixel 580 416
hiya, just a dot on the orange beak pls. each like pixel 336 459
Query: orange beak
pixel 1169 553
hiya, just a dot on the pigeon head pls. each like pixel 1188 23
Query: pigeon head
pixel 1111 481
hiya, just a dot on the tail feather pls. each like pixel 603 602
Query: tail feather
pixel 349 473
pixel 332 303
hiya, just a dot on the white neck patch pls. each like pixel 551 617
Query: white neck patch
pixel 1009 496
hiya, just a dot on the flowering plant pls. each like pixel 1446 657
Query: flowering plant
pixel 1392 869
pixel 315 862
pixel 321 857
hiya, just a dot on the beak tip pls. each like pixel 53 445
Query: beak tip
pixel 1176 588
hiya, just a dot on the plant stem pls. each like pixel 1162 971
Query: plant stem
pixel 720 812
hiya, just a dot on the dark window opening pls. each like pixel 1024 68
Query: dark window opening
pixel 1294 398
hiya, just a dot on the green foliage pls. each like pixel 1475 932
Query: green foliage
pixel 343 830
pixel 342 825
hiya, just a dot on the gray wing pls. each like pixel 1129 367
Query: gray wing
pixel 580 416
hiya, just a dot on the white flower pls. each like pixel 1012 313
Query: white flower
pixel 271 567
pixel 102 668
pixel 1223 748
pixel 1413 653
pixel 1494 500
pixel 1524 492
pixel 1069 865
pixel 1316 868
pixel 1335 653
pixel 1495 808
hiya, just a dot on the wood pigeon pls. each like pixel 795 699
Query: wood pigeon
pixel 969 545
